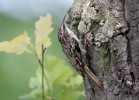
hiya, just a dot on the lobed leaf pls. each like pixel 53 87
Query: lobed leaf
pixel 18 45
pixel 43 29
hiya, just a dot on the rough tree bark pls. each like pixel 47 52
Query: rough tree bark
pixel 114 50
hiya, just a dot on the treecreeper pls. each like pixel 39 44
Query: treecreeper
pixel 74 51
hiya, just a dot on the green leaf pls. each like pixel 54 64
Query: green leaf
pixel 74 95
pixel 57 70
pixel 43 29
pixel 76 81
pixel 67 92
pixel 64 76
pixel 34 82
pixel 64 91
pixel 18 45
pixel 36 93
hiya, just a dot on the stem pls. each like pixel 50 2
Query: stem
pixel 42 81
pixel 42 65
pixel 41 62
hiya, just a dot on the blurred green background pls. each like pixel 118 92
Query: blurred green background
pixel 16 16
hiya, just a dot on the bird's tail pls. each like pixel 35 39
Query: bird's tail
pixel 94 78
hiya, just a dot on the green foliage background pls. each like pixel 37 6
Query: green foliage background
pixel 16 70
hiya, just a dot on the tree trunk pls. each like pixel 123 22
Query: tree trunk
pixel 113 53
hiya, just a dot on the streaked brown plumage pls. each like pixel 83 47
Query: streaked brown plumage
pixel 74 51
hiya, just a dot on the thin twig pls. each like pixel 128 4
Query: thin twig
pixel 41 62
pixel 42 65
